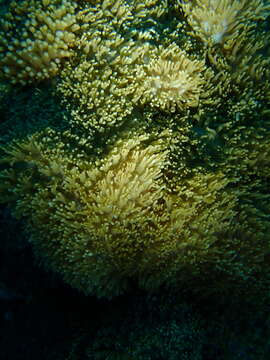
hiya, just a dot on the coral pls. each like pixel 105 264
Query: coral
pixel 97 99
pixel 115 197
pixel 105 224
pixel 245 62
pixel 122 15
pixel 216 21
pixel 35 38
pixel 169 80
pixel 164 78
pixel 158 176
pixel 96 88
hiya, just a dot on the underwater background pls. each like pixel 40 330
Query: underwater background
pixel 134 179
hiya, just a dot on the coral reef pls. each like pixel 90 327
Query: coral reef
pixel 157 173
pixel 104 222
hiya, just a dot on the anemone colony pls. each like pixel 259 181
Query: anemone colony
pixel 160 174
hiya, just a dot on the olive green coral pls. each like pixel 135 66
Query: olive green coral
pixel 159 176
pixel 217 21
pixel 106 224
pixel 35 37
pixel 114 198
pixel 169 80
